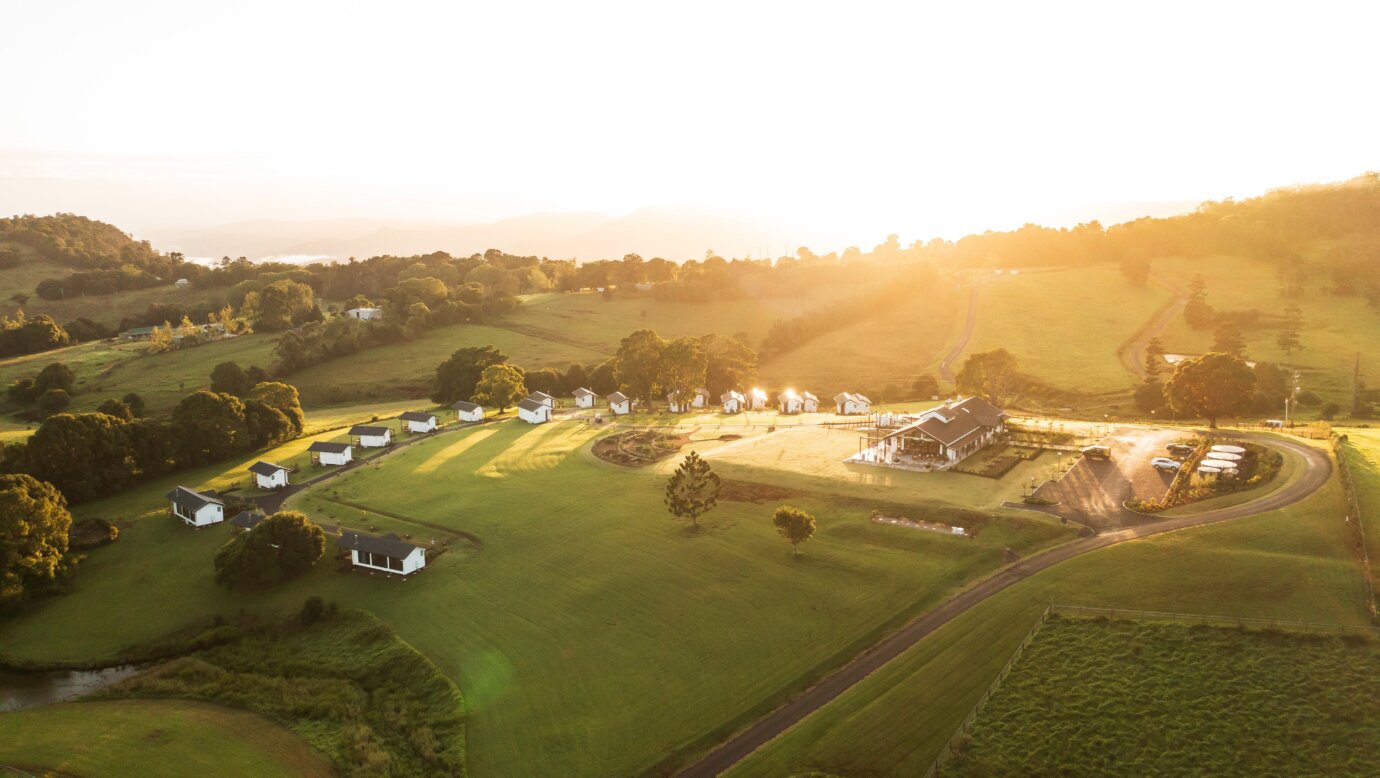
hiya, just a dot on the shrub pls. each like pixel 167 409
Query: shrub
pixel 312 609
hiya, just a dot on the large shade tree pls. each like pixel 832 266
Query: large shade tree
pixel 637 365
pixel 457 377
pixel 33 537
pixel 990 374
pixel 284 545
pixel 501 386
pixel 683 365
pixel 1211 386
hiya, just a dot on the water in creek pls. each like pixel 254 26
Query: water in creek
pixel 27 690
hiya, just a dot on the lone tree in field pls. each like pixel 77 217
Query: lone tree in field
pixel 794 525
pixel 501 386
pixel 1288 338
pixel 693 490
pixel 33 537
pixel 1211 386
pixel 284 545
pixel 1197 312
pixel 1227 339
pixel 991 374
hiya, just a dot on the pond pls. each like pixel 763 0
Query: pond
pixel 28 690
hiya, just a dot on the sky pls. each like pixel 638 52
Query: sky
pixel 917 118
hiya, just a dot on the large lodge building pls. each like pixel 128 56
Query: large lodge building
pixel 937 438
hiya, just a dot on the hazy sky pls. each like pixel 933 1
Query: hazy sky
pixel 868 118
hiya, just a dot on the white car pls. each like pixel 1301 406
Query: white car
pixel 1165 463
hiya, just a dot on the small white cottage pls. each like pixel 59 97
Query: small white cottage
pixel 678 403
pixel 467 411
pixel 701 398
pixel 534 411
pixel 790 401
pixel 386 553
pixel 328 453
pixel 619 404
pixel 195 508
pixel 733 401
pixel 544 399
pixel 371 436
pixel 809 402
pixel 365 314
pixel 849 404
pixel 420 421
pixel 268 475
pixel 757 399
pixel 584 398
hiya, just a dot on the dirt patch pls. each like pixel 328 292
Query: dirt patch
pixel 730 436
pixel 638 448
pixel 744 491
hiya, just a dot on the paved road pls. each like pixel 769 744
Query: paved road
pixel 946 367
pixel 730 752
pixel 1094 491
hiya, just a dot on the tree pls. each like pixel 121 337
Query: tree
pixel 1197 312
pixel 1227 339
pixel 991 374
pixel 84 455
pixel 284 545
pixel 1149 395
pixel 135 403
pixel 280 305
pixel 54 376
pixel 683 367
pixel 1154 359
pixel 1136 267
pixel 230 378
pixel 926 386
pixel 53 401
pixel 729 364
pixel 1288 339
pixel 1211 386
pixel 500 386
pixel 160 338
pixel 637 364
pixel 209 427
pixel 284 398
pixel 794 525
pixel 34 523
pixel 116 408
pixel 457 377
pixel 693 490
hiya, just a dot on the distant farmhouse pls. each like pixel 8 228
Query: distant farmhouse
pixel 387 553
pixel 937 438
pixel 467 411
pixel 195 508
pixel 365 314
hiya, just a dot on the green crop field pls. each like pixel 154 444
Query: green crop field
pixel 572 606
pixel 1293 563
pixel 1096 697
pixel 154 738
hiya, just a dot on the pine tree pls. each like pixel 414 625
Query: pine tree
pixel 693 489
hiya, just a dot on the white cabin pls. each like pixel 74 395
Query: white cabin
pixel 701 398
pixel 371 436
pixel 195 508
pixel 268 475
pixel 385 553
pixel 790 401
pixel 365 314
pixel 327 453
pixel 584 398
pixel 677 404
pixel 534 411
pixel 619 404
pixel 809 403
pixel 467 411
pixel 419 421
pixel 733 401
pixel 757 399
pixel 544 399
pixel 850 404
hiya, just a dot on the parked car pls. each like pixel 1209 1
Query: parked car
pixel 1097 452
pixel 1165 463
pixel 1181 449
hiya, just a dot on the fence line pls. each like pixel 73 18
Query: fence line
pixel 947 750
pixel 1353 507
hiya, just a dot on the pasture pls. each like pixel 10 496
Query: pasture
pixel 1293 563
pixel 1132 698
pixel 567 604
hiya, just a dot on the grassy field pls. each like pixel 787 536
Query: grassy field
pixel 1094 697
pixel 106 309
pixel 572 608
pixel 154 738
pixel 1363 451
pixel 1293 563
pixel 1064 326
pixel 1335 328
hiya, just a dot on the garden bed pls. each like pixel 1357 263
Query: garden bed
pixel 638 448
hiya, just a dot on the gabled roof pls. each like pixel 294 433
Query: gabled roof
pixel 247 519
pixel 327 447
pixel 417 416
pixel 265 468
pixel 368 429
pixel 842 397
pixel 528 404
pixel 756 392
pixel 952 423
pixel 789 394
pixel 702 391
pixel 388 545
pixel 618 397
pixel 191 501
pixel 986 413
pixel 542 396
pixel 809 396
pixel 582 392
pixel 733 394
pixel 462 405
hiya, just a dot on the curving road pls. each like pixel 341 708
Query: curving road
pixel 946 367
pixel 1133 352
pixel 1318 468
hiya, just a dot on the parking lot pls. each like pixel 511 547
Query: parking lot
pixel 1094 490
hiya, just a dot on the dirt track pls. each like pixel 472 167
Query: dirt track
pixel 1318 469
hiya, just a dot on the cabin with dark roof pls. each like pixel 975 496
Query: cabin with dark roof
pixel 420 421
pixel 584 398
pixel 544 398
pixel 387 553
pixel 195 508
pixel 246 520
pixel 467 411
pixel 941 436
pixel 371 436
pixel 619 404
pixel 324 452
pixel 268 475
pixel 534 411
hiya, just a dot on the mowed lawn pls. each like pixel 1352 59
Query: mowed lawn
pixel 1363 456
pixel 1335 329
pixel 153 738
pixel 575 608
pixel 1097 697
pixel 1064 326
pixel 1293 563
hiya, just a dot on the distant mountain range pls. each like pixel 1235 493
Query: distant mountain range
pixel 672 233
